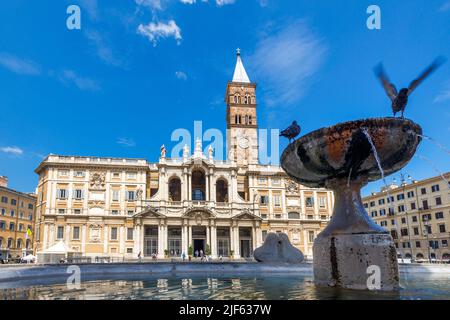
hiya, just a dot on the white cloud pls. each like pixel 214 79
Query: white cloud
pixel 19 65
pixel 181 75
pixel 103 50
pixel 155 31
pixel 285 60
pixel 81 82
pixel 153 4
pixel 219 3
pixel 224 2
pixel 263 3
pixel 12 150
pixel 126 142
pixel 444 95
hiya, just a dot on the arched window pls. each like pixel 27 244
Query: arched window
pixel 408 256
pixel 240 119
pixel 19 244
pixel 433 256
pixel 221 191
pixel 1 242
pixel 246 119
pixel 198 185
pixel 446 256
pixel 294 215
pixel 10 243
pixel 249 119
pixel 175 189
pixel 419 256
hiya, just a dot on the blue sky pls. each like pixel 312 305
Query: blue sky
pixel 138 69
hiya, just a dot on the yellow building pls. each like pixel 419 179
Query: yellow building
pixel 418 216
pixel 126 207
pixel 16 217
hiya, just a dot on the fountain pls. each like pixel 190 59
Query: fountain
pixel 353 250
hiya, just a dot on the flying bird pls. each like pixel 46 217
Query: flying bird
pixel 400 99
pixel 291 132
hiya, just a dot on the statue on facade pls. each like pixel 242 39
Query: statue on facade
pixel 210 153
pixel 163 151
pixel 185 151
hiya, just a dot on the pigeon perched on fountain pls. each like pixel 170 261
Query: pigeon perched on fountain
pixel 400 99
pixel 291 132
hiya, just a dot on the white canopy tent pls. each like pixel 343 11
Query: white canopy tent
pixel 53 254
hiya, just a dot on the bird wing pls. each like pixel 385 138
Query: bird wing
pixel 388 87
pixel 432 67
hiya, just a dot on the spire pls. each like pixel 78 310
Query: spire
pixel 239 72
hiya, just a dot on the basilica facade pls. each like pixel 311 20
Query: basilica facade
pixel 127 208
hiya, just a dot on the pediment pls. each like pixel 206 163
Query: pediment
pixel 246 215
pixel 149 212
pixel 193 212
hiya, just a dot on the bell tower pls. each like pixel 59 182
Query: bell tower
pixel 242 125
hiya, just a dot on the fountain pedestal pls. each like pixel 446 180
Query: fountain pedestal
pixel 353 251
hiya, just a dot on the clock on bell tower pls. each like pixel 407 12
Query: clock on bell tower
pixel 242 126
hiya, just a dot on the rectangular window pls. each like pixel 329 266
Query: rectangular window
pixel 13 202
pixel 114 233
pixel 115 195
pixel 426 217
pixel 428 229
pixel 11 226
pixel 423 191
pixel 20 227
pixel 130 212
pixel 382 212
pixel 438 201
pixel 381 202
pixel 3 211
pixel 277 201
pixel 413 206
pixel 131 175
pixel 262 180
pixel 444 243
pixel 309 202
pixel 417 244
pixel 116 175
pixel 311 236
pixel 442 228
pixel 391 211
pixel 276 182
pixel 401 208
pixel 21 214
pixel 383 223
pixel 425 204
pixel 439 215
pixel 62 193
pixel 5 199
pixel 78 194
pixel 263 200
pixel 77 211
pixel 416 231
pixel 372 203
pixel 12 213
pixel 129 195
pixel 63 173
pixel 400 196
pixel 403 220
pixel 322 202
pixel 404 232
pixel 414 218
pixel 76 233
pixel 60 233
pixel 114 212
pixel 79 174
pixel 410 194
pixel 61 211
pixel 435 188
pixel 30 206
pixel 129 233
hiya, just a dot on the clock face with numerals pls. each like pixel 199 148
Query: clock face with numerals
pixel 243 142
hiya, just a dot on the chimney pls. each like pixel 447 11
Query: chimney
pixel 3 181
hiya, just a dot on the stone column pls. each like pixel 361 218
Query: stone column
pixel 141 239
pixel 52 235
pixel 237 252
pixel 183 239
pixel 189 235
pixel 45 239
pixel 316 205
pixel 213 242
pixel 254 238
pixel 305 243
pixel 189 187
pixel 232 238
pixel 208 238
pixel 258 236
pixel 160 242
pixel 105 239
pixel 83 239
pixel 122 241
pixel 136 240
pixel 207 187
pixel 67 236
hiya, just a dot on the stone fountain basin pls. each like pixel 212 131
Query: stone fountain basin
pixel 343 151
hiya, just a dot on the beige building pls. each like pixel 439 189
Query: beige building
pixel 17 215
pixel 123 207
pixel 418 216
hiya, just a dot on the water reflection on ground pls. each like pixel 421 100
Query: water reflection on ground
pixel 283 287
